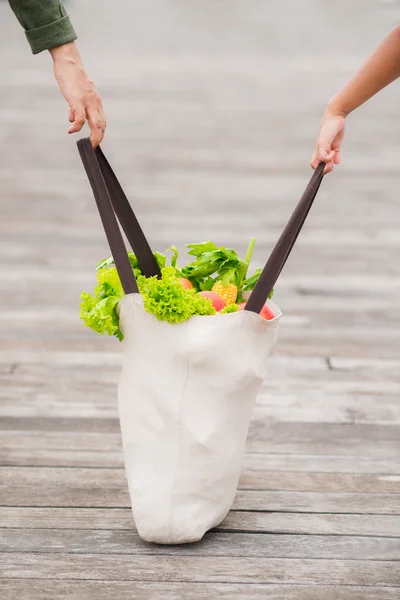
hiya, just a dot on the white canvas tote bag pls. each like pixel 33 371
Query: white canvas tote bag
pixel 187 390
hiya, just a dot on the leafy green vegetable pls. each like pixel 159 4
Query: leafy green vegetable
pixel 99 311
pixel 109 262
pixel 231 308
pixel 217 264
pixel 250 283
pixel 209 261
pixel 167 300
pixel 100 314
pixel 199 249
pixel 175 254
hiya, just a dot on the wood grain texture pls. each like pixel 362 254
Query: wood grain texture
pixel 121 518
pixel 213 109
pixel 31 589
pixel 251 480
pixel 215 543
pixel 98 495
pixel 199 569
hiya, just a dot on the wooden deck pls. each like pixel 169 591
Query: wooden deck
pixel 213 108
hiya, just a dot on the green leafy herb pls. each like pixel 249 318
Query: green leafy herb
pixel 217 264
pixel 250 283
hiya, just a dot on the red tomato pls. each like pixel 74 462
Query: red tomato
pixel 266 312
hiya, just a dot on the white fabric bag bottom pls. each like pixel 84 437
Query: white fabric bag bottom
pixel 185 399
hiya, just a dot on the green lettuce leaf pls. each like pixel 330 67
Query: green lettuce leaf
pixel 231 308
pixel 100 314
pixel 167 300
pixel 98 311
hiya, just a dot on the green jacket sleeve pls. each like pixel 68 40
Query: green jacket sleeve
pixel 46 23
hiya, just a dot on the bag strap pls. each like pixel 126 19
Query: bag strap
pixel 284 246
pixel 107 215
pixel 127 219
pixel 111 201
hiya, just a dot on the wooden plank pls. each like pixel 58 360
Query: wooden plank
pixel 107 355
pixel 320 524
pixel 284 378
pixel 337 341
pixel 252 522
pixel 199 569
pixel 263 438
pixel 262 480
pixel 21 399
pixel 277 501
pixel 31 589
pixel 255 462
pixel 271 435
pixel 335 482
pixel 214 544
pixel 310 406
pixel 189 143
pixel 103 363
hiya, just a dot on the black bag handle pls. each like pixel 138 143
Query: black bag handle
pixel 127 218
pixel 112 203
pixel 284 245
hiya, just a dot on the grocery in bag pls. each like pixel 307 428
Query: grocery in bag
pixel 189 378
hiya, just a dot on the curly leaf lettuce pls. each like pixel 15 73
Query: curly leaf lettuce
pixel 231 308
pixel 167 300
pixel 100 314
pixel 98 311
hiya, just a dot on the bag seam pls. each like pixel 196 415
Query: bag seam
pixel 178 454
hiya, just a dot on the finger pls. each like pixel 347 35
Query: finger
pixel 71 116
pixel 79 120
pixel 324 152
pixel 328 167
pixel 314 162
pixel 336 158
pixel 327 158
pixel 97 124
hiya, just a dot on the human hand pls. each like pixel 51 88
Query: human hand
pixel 79 91
pixel 329 140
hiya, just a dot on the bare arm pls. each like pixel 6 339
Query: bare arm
pixel 79 91
pixel 48 27
pixel 381 69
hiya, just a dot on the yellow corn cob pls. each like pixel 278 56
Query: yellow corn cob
pixel 227 292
